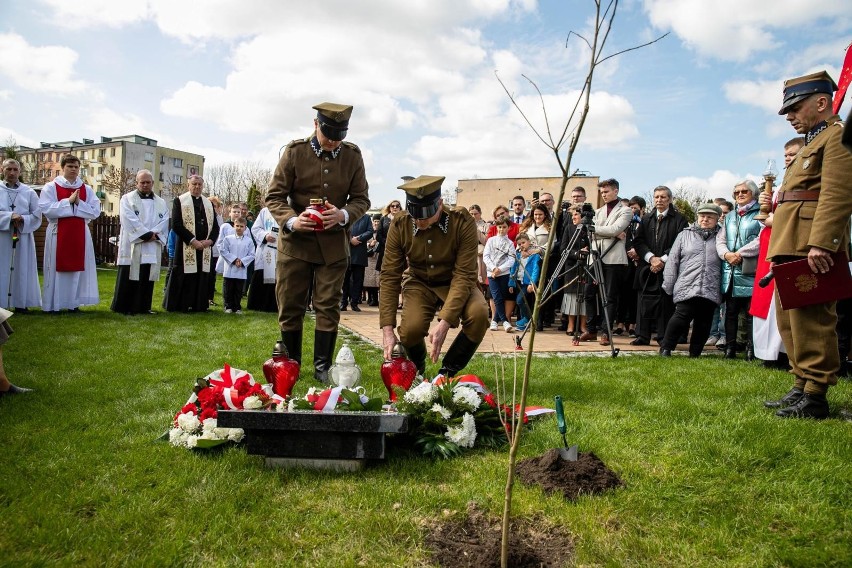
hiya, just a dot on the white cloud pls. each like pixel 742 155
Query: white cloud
pixel 7 134
pixel 48 69
pixel 719 184
pixel 734 30
pixel 91 13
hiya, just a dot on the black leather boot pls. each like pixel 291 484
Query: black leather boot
pixel 809 406
pixel 292 340
pixel 323 353
pixel 417 355
pixel 458 355
pixel 789 399
pixel 749 353
pixel 730 352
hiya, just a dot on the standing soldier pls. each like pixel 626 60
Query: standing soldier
pixel 811 221
pixel 439 247
pixel 313 255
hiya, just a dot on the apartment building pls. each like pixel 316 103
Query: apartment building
pixel 489 193
pixel 110 166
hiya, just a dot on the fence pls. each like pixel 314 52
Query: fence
pixel 103 228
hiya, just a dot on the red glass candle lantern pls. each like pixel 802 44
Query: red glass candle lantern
pixel 315 210
pixel 280 371
pixel 399 371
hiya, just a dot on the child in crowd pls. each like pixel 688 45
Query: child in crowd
pixel 499 257
pixel 237 252
pixel 526 272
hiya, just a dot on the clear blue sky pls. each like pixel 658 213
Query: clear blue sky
pixel 235 81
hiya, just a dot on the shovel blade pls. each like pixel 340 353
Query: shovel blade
pixel 568 454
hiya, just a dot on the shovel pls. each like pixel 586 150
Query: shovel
pixel 566 453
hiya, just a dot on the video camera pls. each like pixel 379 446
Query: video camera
pixel 587 214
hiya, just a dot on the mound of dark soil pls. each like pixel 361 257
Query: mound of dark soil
pixel 475 542
pixel 587 475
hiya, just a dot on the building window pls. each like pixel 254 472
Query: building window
pixel 162 177
pixel 149 156
pixel 162 159
pixel 84 172
pixel 57 172
pixel 101 170
pixel 178 162
pixel 176 178
pixel 102 153
pixel 109 207
pixel 112 152
pixel 85 155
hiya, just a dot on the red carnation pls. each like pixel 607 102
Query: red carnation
pixel 208 412
pixel 190 407
pixel 242 385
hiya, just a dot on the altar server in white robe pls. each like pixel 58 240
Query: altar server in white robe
pixel 144 229
pixel 70 280
pixel 261 295
pixel 19 219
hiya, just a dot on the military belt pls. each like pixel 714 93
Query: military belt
pixel 809 195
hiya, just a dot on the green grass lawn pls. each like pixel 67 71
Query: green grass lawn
pixel 711 477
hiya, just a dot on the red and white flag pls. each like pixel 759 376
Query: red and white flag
pixel 843 81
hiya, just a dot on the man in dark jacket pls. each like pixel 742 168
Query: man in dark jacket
pixel 353 283
pixel 654 239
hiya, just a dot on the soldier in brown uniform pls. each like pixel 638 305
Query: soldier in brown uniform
pixel 430 254
pixel 321 166
pixel 811 221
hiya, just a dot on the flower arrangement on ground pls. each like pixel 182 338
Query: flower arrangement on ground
pixel 195 427
pixel 447 416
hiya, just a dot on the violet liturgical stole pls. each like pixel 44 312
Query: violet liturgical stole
pixel 70 236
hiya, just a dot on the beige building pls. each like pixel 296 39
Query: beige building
pixel 489 193
pixel 110 166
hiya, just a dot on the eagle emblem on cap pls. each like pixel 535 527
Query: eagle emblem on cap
pixel 805 282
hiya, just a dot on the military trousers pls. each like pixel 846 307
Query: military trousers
pixel 810 338
pixel 295 279
pixel 420 302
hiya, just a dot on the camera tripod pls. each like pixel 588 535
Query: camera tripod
pixel 587 272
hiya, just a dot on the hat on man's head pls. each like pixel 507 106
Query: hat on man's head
pixel 333 119
pixel 424 193
pixel 800 88
pixel 710 209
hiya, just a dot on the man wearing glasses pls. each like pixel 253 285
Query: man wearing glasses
pixel 313 255
pixel 811 221
pixel 430 256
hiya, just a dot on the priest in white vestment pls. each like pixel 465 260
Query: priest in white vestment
pixel 70 279
pixel 19 218
pixel 261 295
pixel 144 220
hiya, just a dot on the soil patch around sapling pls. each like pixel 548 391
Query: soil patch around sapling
pixel 586 476
pixel 475 542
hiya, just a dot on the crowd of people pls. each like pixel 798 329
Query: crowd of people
pixel 628 267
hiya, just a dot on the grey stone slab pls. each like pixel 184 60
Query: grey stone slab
pixel 304 444
pixel 332 465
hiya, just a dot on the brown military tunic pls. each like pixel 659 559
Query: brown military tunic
pixel 815 202
pixel 431 267
pixel 302 175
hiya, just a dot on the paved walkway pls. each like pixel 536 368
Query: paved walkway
pixel 366 324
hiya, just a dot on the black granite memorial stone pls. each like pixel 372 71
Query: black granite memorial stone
pixel 319 440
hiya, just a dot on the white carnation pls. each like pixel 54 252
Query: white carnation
pixel 466 396
pixel 176 436
pixel 444 412
pixel 252 403
pixel 209 424
pixel 465 434
pixel 188 422
pixel 191 441
pixel 237 434
pixel 291 406
pixel 424 393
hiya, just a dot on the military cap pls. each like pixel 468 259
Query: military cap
pixel 710 209
pixel 333 119
pixel 423 194
pixel 801 88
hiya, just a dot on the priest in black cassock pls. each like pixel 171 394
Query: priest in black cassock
pixel 194 222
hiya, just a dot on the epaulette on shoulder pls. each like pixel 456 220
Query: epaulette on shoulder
pixel 299 141
pixel 351 145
